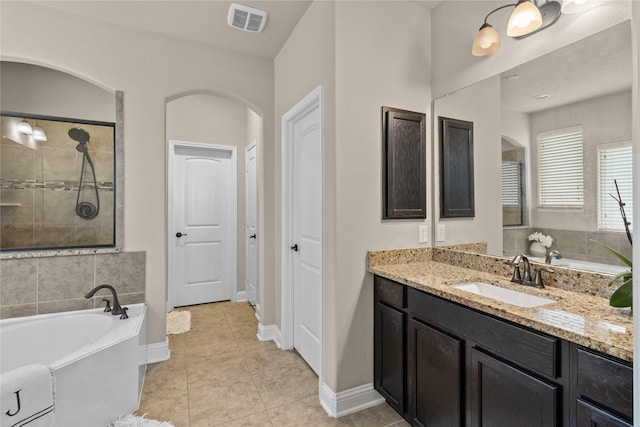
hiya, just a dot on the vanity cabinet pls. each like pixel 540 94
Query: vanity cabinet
pixel 389 342
pixel 604 390
pixel 503 395
pixel 435 377
pixel 439 363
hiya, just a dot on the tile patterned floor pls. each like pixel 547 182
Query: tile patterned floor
pixel 220 374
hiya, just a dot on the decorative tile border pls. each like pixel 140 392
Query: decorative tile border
pixel 28 184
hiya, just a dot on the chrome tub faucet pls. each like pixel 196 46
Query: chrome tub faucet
pixel 552 254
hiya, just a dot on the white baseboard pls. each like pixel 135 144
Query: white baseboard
pixel 158 351
pixel 269 333
pixel 241 296
pixel 348 401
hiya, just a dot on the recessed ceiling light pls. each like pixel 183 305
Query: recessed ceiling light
pixel 511 77
pixel 541 96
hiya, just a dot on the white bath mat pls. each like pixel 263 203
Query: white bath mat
pixel 178 322
pixel 134 421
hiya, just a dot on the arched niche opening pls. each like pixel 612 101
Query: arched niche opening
pixel 59 193
pixel 223 120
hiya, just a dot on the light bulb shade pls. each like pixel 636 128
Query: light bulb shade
pixel 577 6
pixel 24 128
pixel 38 134
pixel 487 41
pixel 525 19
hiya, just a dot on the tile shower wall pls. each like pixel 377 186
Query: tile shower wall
pixel 39 185
pixel 30 286
pixel 571 244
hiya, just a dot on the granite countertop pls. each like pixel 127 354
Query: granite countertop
pixel 579 317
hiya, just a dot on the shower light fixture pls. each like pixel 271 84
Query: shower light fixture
pixel 38 134
pixel 24 128
pixel 577 6
pixel 525 19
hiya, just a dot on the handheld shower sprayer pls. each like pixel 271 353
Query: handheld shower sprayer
pixel 85 209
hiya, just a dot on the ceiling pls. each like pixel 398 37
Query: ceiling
pixel 595 66
pixel 202 21
pixel 196 21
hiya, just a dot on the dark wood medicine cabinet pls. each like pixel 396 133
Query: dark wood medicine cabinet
pixel 404 177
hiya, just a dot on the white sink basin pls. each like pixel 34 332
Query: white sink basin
pixel 509 296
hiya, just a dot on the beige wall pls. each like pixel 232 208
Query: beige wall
pixel 209 119
pixel 150 69
pixel 304 62
pixel 362 68
pixel 373 68
pixel 26 88
pixel 479 104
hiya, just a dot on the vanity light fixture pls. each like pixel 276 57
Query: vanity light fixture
pixel 24 128
pixel 525 19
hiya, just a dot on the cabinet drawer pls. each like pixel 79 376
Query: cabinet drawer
pixel 525 348
pixel 389 292
pixel 589 415
pixel 606 381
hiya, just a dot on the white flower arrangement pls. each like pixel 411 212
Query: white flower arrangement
pixel 545 241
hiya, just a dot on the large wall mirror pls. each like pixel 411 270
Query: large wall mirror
pixel 60 162
pixel 579 92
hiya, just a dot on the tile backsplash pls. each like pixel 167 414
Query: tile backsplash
pixel 30 286
pixel 571 244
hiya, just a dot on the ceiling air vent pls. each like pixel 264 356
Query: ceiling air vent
pixel 246 18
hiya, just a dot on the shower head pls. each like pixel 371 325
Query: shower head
pixel 82 147
pixel 80 135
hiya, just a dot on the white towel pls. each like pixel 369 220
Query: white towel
pixel 27 397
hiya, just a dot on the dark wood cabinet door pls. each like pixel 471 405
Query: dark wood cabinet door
pixel 592 416
pixel 605 381
pixel 389 360
pixel 434 377
pixel 405 173
pixel 502 395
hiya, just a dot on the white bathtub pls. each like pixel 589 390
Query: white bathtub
pixel 98 360
pixel 583 265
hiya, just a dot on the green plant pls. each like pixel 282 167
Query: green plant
pixel 623 296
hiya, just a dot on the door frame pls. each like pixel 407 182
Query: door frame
pixel 314 100
pixel 171 155
pixel 253 144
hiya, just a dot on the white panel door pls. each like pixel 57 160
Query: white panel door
pixel 252 226
pixel 203 254
pixel 307 237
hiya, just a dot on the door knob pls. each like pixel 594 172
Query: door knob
pixel 253 236
pixel 295 247
pixel 179 234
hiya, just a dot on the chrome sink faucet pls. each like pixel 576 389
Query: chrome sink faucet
pixel 524 277
pixel 117 308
